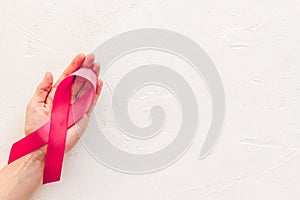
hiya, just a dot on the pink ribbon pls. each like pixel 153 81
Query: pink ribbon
pixel 53 133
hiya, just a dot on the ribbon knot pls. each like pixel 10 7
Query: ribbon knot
pixel 54 132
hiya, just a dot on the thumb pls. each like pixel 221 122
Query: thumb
pixel 43 88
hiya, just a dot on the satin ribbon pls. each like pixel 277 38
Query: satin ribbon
pixel 63 115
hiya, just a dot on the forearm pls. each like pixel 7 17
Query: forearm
pixel 19 179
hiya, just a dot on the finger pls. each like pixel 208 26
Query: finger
pixel 98 90
pixel 96 68
pixel 89 60
pixel 43 89
pixel 75 64
pixel 50 97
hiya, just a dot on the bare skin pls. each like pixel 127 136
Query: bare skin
pixel 19 179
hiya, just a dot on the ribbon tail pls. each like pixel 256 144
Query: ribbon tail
pixel 29 144
pixel 58 131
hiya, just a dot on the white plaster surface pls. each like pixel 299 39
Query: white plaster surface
pixel 255 46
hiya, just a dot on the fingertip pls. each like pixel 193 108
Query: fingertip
pixel 98 90
pixel 100 85
pixel 47 81
pixel 96 68
pixel 43 88
pixel 78 60
pixel 92 56
pixel 48 77
pixel 80 56
pixel 88 61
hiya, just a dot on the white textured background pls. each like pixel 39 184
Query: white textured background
pixel 255 46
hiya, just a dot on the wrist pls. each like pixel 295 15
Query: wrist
pixel 21 177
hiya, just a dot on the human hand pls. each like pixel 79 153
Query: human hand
pixel 38 111
pixel 20 178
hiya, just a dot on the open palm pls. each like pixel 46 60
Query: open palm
pixel 38 111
